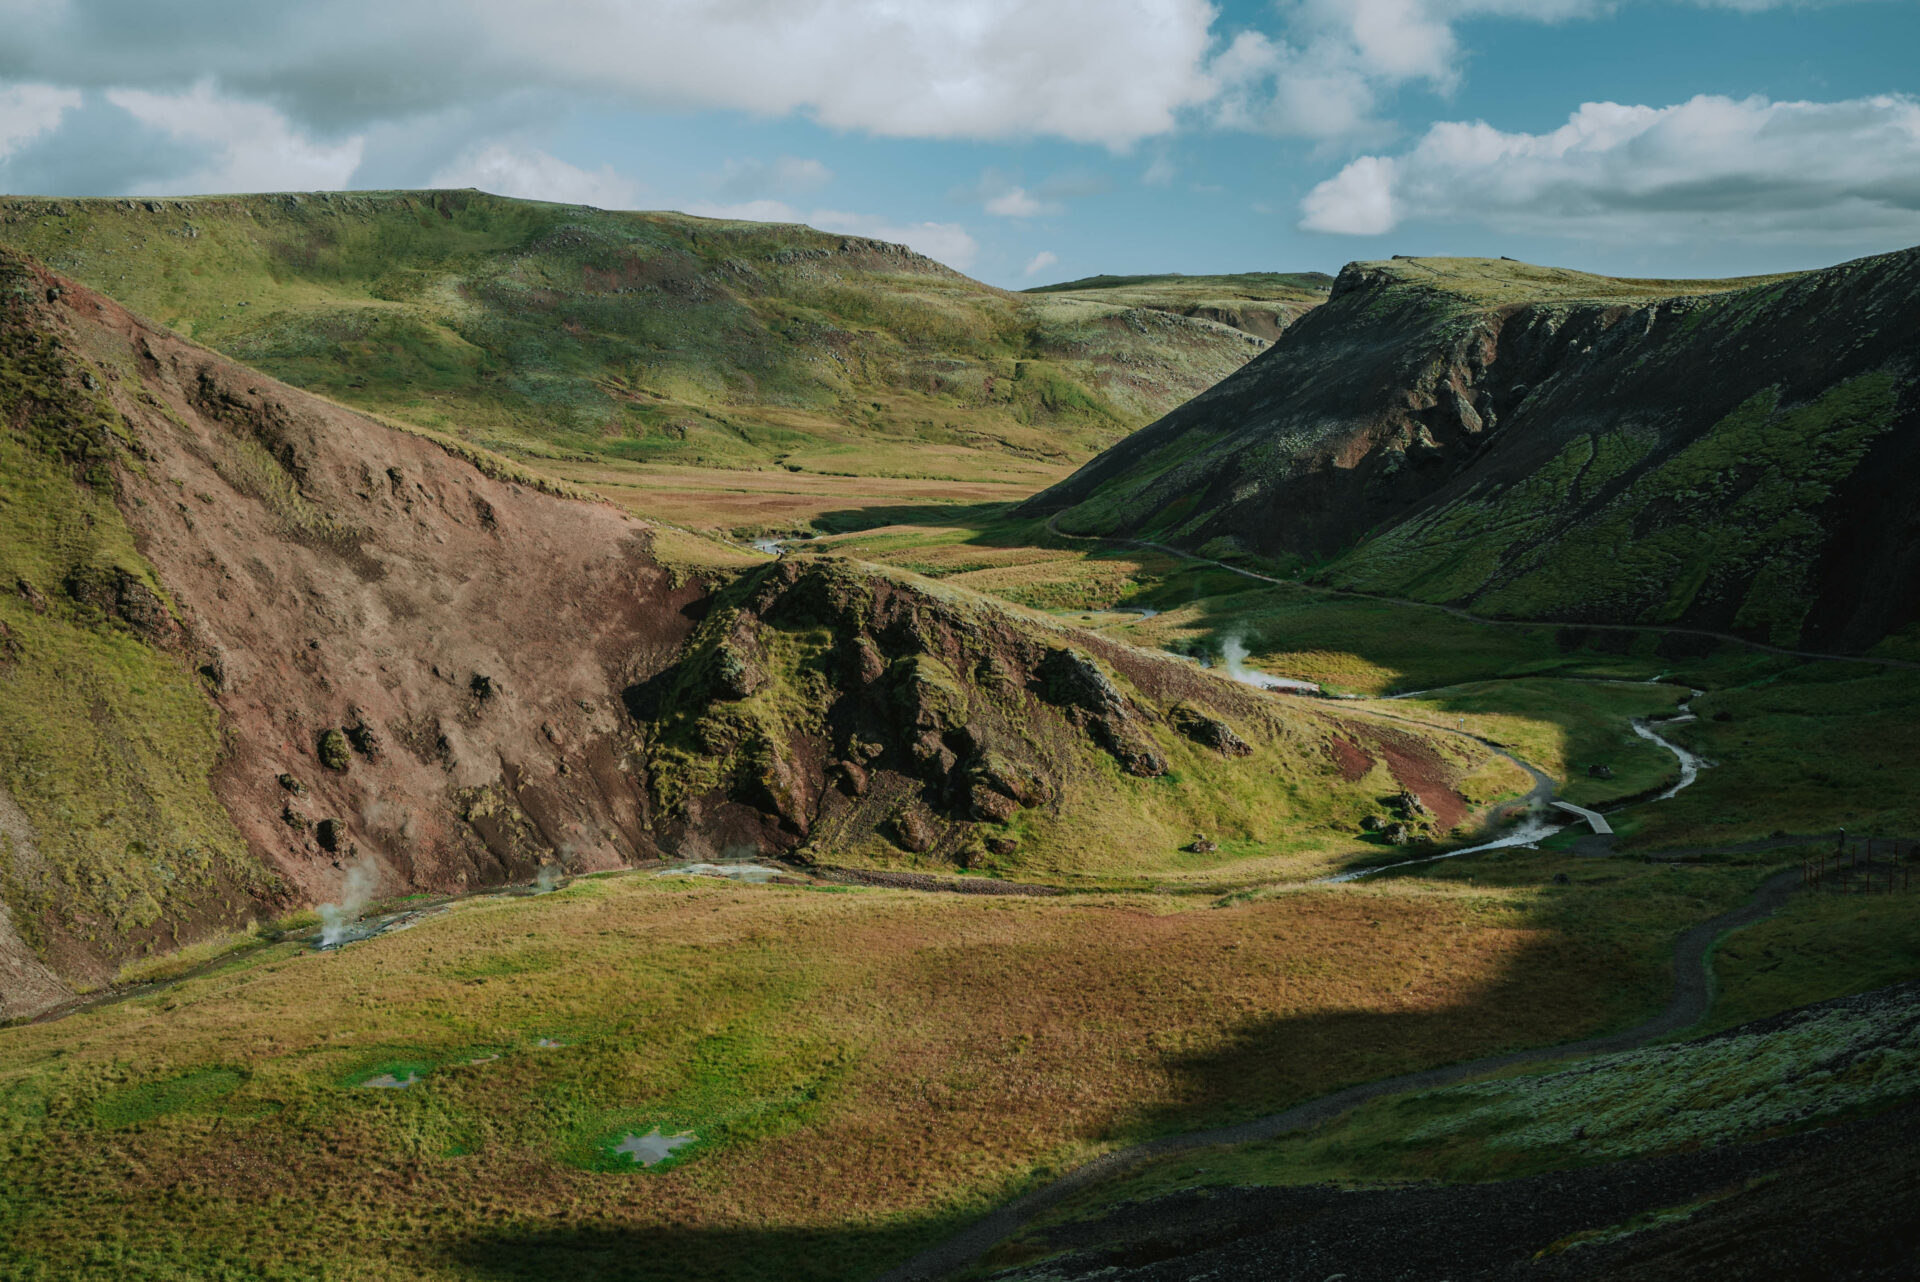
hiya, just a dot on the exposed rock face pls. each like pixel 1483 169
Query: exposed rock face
pixel 1544 445
pixel 1208 731
pixel 881 709
pixel 369 617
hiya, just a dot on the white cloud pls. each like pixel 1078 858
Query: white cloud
pixel 255 148
pixel 1098 71
pixel 1359 200
pixel 948 243
pixel 1040 262
pixel 1018 202
pixel 535 175
pixel 27 111
pixel 1326 75
pixel 1833 172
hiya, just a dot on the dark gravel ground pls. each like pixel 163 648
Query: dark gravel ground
pixel 1840 1203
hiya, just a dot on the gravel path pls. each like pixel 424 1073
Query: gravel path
pixel 1692 992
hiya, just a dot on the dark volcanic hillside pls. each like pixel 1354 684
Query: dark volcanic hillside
pixel 250 640
pixel 1737 455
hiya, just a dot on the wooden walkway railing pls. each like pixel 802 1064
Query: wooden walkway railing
pixel 1869 865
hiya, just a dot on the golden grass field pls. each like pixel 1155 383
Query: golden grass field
pixel 863 1068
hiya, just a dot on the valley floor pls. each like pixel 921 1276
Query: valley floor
pixel 860 1072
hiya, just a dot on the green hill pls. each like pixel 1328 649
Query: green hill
pixel 1262 303
pixel 1732 455
pixel 589 336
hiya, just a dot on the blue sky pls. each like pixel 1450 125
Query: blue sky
pixel 1027 141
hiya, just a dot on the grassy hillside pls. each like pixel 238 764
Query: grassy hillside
pixel 1733 455
pixel 111 841
pixel 610 338
pixel 252 640
pixel 1262 303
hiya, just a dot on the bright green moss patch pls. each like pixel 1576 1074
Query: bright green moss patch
pixel 106 740
pixel 390 1074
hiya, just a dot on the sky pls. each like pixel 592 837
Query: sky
pixel 1030 141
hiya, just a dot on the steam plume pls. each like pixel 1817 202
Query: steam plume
pixel 356 891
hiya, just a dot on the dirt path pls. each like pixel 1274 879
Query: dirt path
pixel 1692 993
pixel 1460 613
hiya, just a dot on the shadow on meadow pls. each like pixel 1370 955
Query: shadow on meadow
pixel 1539 994
pixel 607 1253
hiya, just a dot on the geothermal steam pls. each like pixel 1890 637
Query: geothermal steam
pixel 356 891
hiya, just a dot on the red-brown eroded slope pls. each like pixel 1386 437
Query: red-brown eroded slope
pixel 329 572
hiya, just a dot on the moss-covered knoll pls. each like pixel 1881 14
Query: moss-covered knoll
pixel 866 718
pixel 1261 303
pixel 1506 280
pixel 107 738
pixel 562 330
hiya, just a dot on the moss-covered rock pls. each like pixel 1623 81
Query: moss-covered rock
pixel 334 751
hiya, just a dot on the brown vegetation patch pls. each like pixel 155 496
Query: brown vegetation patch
pixel 1351 761
pixel 1420 770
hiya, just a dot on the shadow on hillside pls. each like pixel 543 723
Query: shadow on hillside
pixel 995 522
pixel 601 1253
pixel 1541 995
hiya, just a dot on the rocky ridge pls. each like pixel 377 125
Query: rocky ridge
pixel 1736 456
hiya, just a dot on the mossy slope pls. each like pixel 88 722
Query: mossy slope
pixel 588 334
pixel 1732 455
pixel 108 737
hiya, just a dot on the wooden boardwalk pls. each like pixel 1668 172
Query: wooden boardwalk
pixel 1597 820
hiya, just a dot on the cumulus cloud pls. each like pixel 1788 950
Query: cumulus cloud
pixel 1327 73
pixel 252 147
pixel 1100 71
pixel 1005 196
pixel 535 175
pixel 1748 168
pixel 1040 262
pixel 27 111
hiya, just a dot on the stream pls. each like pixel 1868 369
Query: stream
pixel 1540 822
